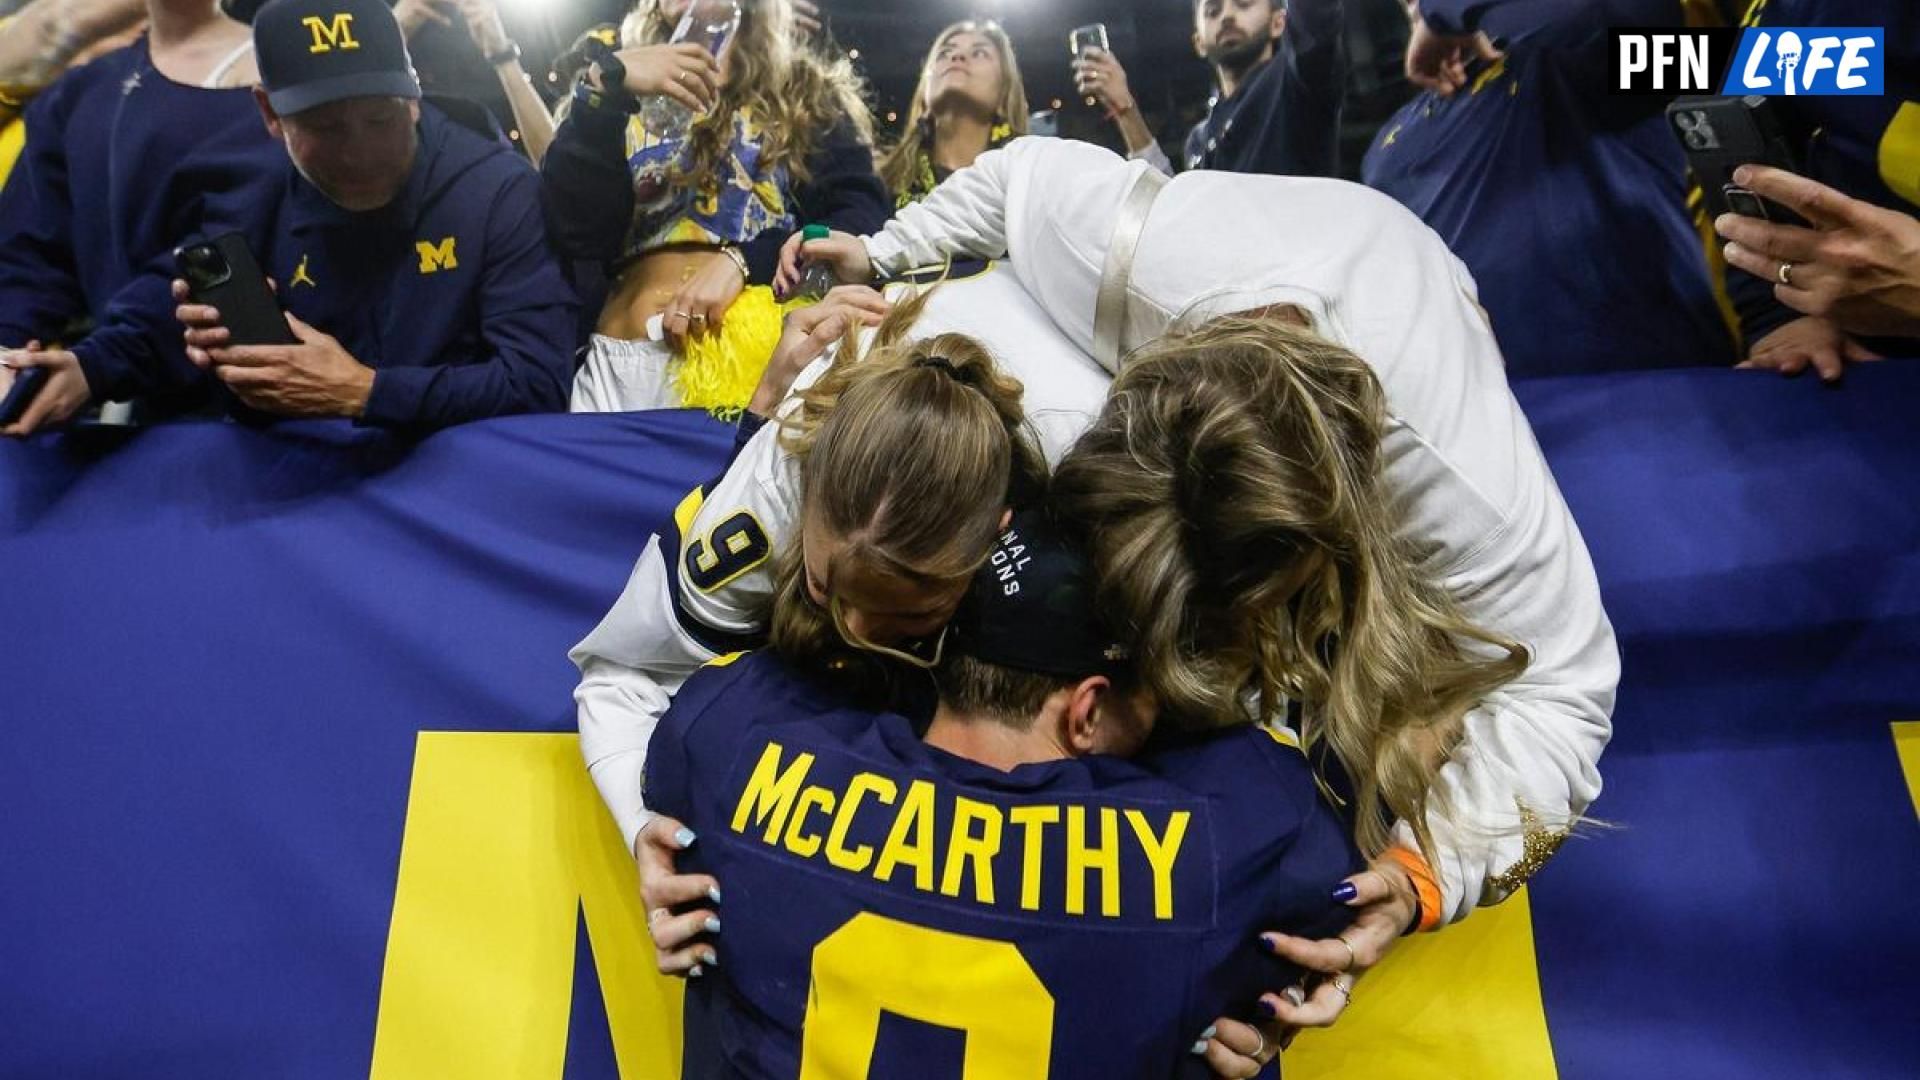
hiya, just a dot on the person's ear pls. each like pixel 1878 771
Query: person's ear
pixel 413 110
pixel 267 115
pixel 1278 24
pixel 1083 717
pixel 1199 47
pixel 1006 518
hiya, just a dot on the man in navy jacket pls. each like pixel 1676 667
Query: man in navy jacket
pixel 1282 71
pixel 409 252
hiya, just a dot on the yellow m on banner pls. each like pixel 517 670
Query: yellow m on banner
pixel 1461 1003
pixel 506 841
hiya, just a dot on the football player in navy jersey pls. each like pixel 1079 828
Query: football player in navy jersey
pixel 1005 892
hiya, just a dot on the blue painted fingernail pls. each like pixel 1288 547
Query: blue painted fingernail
pixel 694 972
pixel 1344 892
pixel 712 959
pixel 712 924
pixel 1212 1030
pixel 684 837
pixel 1199 1049
pixel 713 894
pixel 1267 1010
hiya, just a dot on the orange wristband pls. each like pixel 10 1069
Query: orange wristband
pixel 1424 885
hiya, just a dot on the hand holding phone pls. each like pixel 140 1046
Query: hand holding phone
pixel 222 274
pixel 1720 134
pixel 27 383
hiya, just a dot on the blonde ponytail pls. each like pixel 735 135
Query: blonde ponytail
pixel 910 453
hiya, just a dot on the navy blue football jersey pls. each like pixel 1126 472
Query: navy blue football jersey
pixel 892 909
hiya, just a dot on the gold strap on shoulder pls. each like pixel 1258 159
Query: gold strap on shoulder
pixel 1110 305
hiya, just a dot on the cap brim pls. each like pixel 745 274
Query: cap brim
pixel 298 99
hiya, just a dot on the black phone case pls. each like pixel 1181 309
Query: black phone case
pixel 1720 134
pixel 247 306
pixel 26 384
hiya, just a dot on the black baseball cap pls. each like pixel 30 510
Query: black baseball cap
pixel 316 52
pixel 1031 607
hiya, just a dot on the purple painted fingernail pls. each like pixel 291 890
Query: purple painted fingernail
pixel 1267 943
pixel 1267 1010
pixel 1344 892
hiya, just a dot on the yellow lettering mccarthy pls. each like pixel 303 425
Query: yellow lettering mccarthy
pixel 1070 858
pixel 770 793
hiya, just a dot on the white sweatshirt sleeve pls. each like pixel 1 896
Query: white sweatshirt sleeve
pixel 964 217
pixel 682 606
pixel 1529 762
pixel 1480 506
pixel 1154 156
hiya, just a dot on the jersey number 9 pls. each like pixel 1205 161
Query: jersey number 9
pixel 731 548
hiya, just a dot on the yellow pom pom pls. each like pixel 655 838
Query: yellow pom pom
pixel 718 372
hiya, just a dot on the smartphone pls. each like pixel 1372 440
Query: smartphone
pixel 1720 134
pixel 222 272
pixel 26 383
pixel 1086 38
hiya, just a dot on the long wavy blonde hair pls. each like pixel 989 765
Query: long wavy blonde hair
pixel 795 94
pixel 900 164
pixel 910 453
pixel 1232 499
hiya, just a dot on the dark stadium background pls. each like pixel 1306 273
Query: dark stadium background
pixel 1152 38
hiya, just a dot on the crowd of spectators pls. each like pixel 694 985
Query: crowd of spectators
pixel 132 127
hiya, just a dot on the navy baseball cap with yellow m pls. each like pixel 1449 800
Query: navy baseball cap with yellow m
pixel 316 52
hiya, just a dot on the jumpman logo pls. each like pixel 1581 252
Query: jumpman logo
pixel 300 275
pixel 131 84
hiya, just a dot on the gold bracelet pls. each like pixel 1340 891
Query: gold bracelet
pixel 739 258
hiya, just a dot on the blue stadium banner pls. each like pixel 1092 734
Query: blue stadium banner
pixel 290 787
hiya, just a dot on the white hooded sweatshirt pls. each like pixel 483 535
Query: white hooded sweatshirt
pixel 1476 499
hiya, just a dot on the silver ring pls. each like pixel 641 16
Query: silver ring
pixel 1785 273
pixel 1352 957
pixel 684 315
pixel 1262 1048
